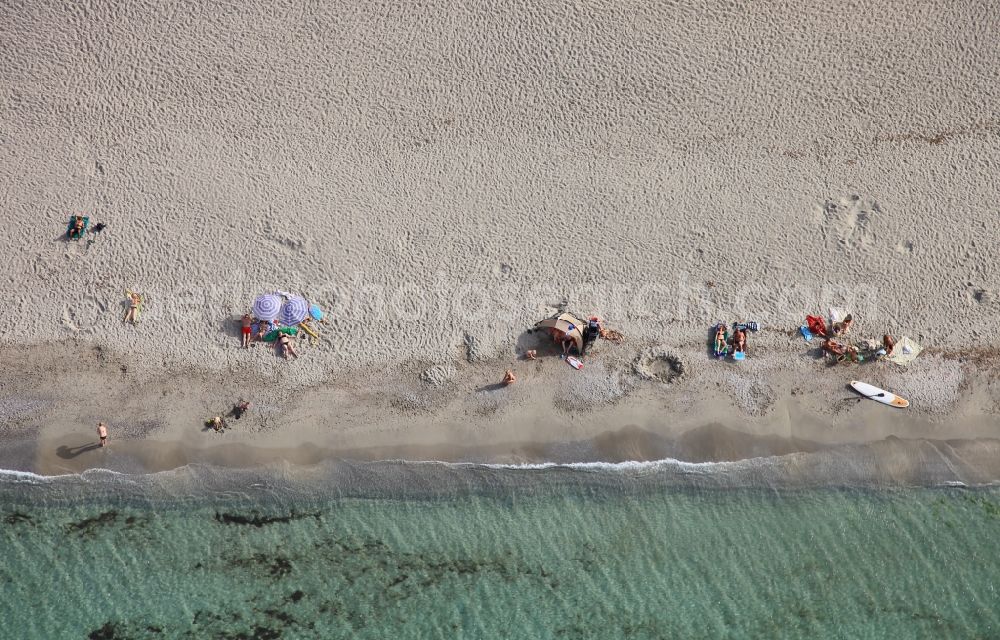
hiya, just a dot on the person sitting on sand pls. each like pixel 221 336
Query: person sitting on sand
pixel 739 341
pixel 531 354
pixel 264 327
pixel 888 344
pixel 218 424
pixel 76 232
pixel 568 342
pixel 245 323
pixel 134 300
pixel 841 328
pixel 591 333
pixel 239 409
pixel 509 378
pixel 287 346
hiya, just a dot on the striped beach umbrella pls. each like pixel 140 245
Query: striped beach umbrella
pixel 267 306
pixel 294 311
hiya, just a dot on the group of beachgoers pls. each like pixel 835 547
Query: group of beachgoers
pixel 736 346
pixel 219 423
pixel 836 346
pixel 284 341
pixel 254 330
pixel 835 343
pixel 568 344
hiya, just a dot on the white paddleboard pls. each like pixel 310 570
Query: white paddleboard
pixel 573 362
pixel 879 395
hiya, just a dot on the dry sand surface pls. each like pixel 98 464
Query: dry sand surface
pixel 440 176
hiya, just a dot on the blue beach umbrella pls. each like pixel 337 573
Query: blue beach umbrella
pixel 294 311
pixel 267 306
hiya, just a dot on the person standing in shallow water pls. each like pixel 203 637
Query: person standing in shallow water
pixel 102 433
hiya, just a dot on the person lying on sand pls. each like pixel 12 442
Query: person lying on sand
pixel 833 347
pixel 740 341
pixel 134 299
pixel 245 323
pixel 509 378
pixel 720 346
pixel 287 346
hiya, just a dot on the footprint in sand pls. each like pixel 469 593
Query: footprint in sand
pixel 984 297
pixel 69 319
pixel 83 314
pixel 847 222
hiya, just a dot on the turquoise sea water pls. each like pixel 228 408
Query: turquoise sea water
pixel 444 552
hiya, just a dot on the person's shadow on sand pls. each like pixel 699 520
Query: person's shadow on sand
pixel 491 387
pixel 68 453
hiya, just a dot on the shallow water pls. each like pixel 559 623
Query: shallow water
pixel 545 553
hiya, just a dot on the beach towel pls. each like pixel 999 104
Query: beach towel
pixel 305 327
pixel 816 325
pixel 904 352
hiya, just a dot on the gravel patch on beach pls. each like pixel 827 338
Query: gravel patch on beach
pixel 930 383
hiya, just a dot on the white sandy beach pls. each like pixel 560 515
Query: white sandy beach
pixel 441 176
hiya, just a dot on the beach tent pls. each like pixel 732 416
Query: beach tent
pixel 566 323
pixel 904 352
